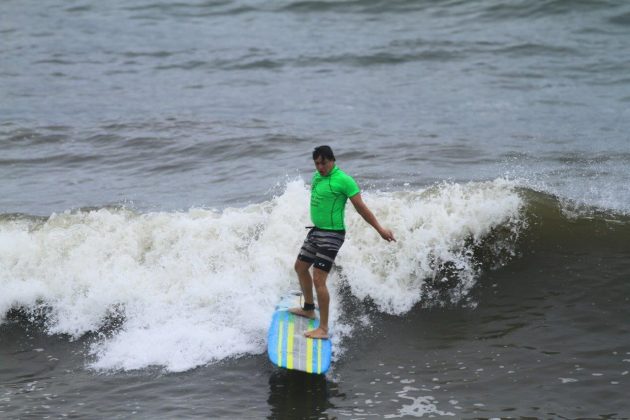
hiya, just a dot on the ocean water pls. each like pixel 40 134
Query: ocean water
pixel 154 167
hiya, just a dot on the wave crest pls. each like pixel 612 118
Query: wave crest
pixel 190 288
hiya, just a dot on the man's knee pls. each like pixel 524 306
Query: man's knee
pixel 301 266
pixel 319 278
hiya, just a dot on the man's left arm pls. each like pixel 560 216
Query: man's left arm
pixel 369 217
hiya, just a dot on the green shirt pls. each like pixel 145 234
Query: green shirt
pixel 329 195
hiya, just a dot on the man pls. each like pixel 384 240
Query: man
pixel 330 190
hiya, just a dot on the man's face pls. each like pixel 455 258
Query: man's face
pixel 324 166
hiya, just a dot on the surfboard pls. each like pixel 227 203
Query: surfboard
pixel 286 345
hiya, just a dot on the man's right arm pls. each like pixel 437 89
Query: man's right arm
pixel 369 217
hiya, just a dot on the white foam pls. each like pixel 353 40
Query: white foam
pixel 418 407
pixel 199 286
pixel 430 225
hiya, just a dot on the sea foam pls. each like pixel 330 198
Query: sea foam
pixel 195 287
pixel 434 227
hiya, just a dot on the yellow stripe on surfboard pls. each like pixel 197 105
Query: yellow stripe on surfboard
pixel 290 343
pixel 309 351
pixel 280 329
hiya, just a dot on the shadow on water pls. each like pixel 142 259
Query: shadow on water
pixel 299 395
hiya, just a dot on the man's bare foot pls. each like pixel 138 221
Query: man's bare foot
pixel 317 333
pixel 301 312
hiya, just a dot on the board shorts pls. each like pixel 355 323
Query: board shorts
pixel 321 246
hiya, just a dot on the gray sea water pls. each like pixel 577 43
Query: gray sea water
pixel 153 156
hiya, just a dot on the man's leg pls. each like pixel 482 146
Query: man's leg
pixel 323 299
pixel 306 283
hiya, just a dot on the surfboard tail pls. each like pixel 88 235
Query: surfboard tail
pixel 288 348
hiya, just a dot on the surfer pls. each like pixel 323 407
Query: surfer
pixel 330 190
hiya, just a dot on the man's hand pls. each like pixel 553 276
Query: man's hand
pixel 387 235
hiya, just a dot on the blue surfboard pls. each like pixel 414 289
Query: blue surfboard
pixel 286 345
